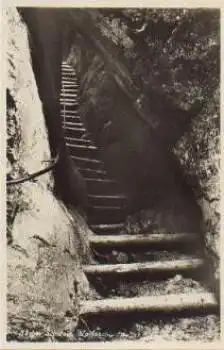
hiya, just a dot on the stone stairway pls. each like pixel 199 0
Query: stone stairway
pixel 139 282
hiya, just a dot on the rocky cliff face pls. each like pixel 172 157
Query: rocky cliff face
pixel 199 154
pixel 47 243
pixel 172 55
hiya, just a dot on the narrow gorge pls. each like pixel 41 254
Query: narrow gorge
pixel 113 190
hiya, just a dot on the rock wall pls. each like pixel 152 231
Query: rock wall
pixel 172 55
pixel 134 153
pixel 199 154
pixel 47 243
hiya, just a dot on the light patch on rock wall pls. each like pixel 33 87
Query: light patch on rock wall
pixel 48 243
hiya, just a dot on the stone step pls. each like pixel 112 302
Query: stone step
pixel 152 270
pixel 161 305
pixel 107 228
pixel 150 241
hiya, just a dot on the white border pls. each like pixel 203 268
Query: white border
pixel 97 345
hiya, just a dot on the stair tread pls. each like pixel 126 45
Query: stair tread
pixel 100 171
pixel 75 115
pixel 78 146
pixel 73 124
pixel 66 94
pixel 68 103
pixel 104 207
pixel 162 303
pixel 75 129
pixel 100 180
pixel 77 140
pixel 113 196
pixel 149 239
pixel 87 159
pixel 149 267
pixel 105 226
pixel 69 83
pixel 68 100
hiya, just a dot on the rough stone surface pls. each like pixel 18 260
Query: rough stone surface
pixel 172 55
pixel 199 154
pixel 48 242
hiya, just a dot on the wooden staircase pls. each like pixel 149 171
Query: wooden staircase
pixel 124 262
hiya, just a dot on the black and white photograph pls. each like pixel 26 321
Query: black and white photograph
pixel 112 119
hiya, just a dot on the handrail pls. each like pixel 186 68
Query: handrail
pixel 36 174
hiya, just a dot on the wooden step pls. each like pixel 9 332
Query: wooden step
pixel 70 113
pixel 69 75
pixel 71 118
pixel 77 140
pixel 105 217
pixel 66 69
pixel 152 269
pixel 74 109
pixel 69 100
pixel 94 173
pixel 102 185
pixel 65 65
pixel 76 129
pixel 70 90
pixel 87 162
pixel 83 147
pixel 74 124
pixel 68 103
pixel 118 199
pixel 84 150
pixel 73 132
pixel 162 304
pixel 154 241
pixel 68 72
pixel 68 95
pixel 105 208
pixel 69 83
pixel 107 228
